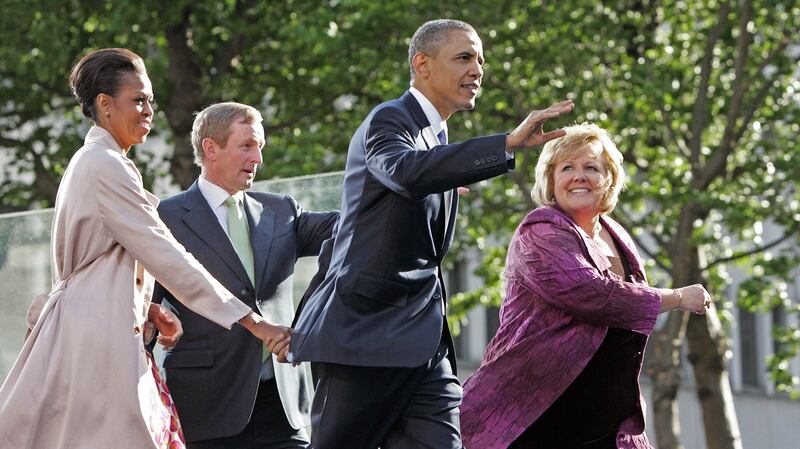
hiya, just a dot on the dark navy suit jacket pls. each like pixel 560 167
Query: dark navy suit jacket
pixel 213 373
pixel 382 300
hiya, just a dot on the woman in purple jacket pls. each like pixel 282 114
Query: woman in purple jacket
pixel 562 370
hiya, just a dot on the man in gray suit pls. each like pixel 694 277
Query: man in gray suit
pixel 228 393
pixel 375 325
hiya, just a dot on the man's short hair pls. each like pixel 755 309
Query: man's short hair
pixel 215 122
pixel 431 36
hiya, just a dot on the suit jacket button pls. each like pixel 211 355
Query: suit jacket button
pixel 243 292
pixel 437 296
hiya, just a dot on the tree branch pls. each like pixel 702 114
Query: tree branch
pixel 629 157
pixel 650 253
pixel 291 121
pixel 700 111
pixel 750 252
pixel 758 101
pixel 519 176
pixel 234 46
pixel 679 143
pixel 46 184
pixel 7 142
pixel 717 162
pixel 770 59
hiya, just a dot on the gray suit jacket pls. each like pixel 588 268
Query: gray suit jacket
pixel 381 302
pixel 213 373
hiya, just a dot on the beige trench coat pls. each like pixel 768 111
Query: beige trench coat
pixel 82 379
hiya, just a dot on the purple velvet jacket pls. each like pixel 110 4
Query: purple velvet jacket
pixel 561 298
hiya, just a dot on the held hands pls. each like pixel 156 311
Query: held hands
pixel 167 323
pixel 530 132
pixel 275 337
pixel 694 298
pixel 277 340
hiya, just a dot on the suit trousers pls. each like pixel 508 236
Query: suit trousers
pixel 267 428
pixel 357 407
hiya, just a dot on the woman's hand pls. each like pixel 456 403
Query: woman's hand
pixel 275 337
pixel 167 323
pixel 694 298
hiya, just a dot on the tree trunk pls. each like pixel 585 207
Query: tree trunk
pixel 665 357
pixel 665 370
pixel 187 97
pixel 707 348
pixel 182 166
pixel 185 75
pixel 706 352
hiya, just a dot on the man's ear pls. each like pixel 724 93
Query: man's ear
pixel 421 64
pixel 210 149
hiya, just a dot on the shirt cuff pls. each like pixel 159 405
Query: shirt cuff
pixel 510 161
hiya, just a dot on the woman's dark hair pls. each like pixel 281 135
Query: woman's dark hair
pixel 101 72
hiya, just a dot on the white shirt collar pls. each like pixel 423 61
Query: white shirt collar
pixel 433 116
pixel 214 194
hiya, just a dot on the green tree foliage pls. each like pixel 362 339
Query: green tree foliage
pixel 701 97
pixel 304 64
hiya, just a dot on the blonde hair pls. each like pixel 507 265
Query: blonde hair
pixel 577 140
pixel 215 122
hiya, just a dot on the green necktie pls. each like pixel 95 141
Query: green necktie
pixel 240 236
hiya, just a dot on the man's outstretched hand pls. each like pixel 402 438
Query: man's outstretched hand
pixel 530 132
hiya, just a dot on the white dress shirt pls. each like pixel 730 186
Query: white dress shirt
pixel 216 196
pixel 433 116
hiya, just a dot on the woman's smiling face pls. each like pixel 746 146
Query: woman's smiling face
pixel 128 114
pixel 580 182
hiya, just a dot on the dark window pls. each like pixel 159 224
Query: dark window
pixel 749 352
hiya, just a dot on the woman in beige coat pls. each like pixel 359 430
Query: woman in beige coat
pixel 82 379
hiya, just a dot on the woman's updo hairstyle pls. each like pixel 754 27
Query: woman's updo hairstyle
pixel 102 72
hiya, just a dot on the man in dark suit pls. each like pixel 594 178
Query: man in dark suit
pixel 228 393
pixel 376 324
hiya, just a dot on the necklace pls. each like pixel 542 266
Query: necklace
pixel 596 229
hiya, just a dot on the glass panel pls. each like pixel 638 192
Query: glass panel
pixel 25 255
pixel 24 273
